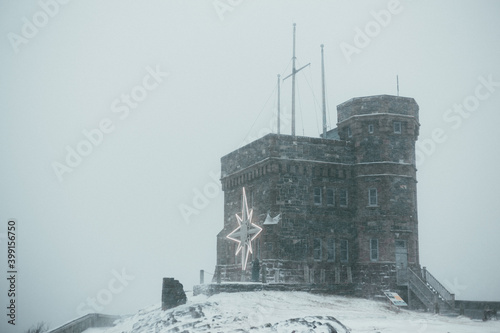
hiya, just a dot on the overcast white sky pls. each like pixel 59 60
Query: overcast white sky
pixel 118 211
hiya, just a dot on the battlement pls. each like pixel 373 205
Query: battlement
pixel 379 104
pixel 285 147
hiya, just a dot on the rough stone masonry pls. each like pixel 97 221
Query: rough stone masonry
pixel 347 203
pixel 172 294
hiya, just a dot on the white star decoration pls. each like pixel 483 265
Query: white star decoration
pixel 245 233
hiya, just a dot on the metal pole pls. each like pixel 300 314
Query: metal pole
pixel 323 91
pixel 279 76
pixel 293 84
pixel 397 82
pixel 202 276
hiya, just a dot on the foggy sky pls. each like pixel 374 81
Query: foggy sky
pixel 118 211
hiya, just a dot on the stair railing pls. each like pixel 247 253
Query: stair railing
pixel 447 296
pixel 421 289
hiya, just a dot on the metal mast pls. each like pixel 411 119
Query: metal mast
pixel 293 83
pixel 397 82
pixel 323 91
pixel 294 71
pixel 279 76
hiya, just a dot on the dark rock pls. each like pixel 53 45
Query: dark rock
pixel 172 294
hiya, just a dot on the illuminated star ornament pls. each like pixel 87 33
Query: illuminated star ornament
pixel 245 233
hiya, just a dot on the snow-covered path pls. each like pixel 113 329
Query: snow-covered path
pixel 273 311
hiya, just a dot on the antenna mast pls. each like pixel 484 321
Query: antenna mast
pixel 293 83
pixel 323 91
pixel 397 82
pixel 294 71
pixel 279 76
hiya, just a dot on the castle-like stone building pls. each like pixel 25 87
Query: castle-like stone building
pixel 344 205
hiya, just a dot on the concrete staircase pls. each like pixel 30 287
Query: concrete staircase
pixel 431 293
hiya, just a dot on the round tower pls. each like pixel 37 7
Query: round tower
pixel 383 130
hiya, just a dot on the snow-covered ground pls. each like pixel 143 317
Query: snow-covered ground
pixel 275 311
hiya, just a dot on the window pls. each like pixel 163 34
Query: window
pixel 299 249
pixel 372 197
pixel 344 250
pixel 373 249
pixel 330 196
pixel 343 198
pixel 317 249
pixel 269 246
pixel 317 195
pixel 397 127
pixel 349 132
pixel 370 128
pixel 401 244
pixel 330 248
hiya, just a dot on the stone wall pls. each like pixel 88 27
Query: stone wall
pixel 246 160
pixel 282 182
pixel 320 188
pixel 361 106
pixel 212 289
pixel 476 309
pixel 290 272
pixel 172 294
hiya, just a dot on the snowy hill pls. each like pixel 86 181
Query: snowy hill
pixel 291 312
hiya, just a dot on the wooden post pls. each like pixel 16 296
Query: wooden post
pixel 202 276
pixel 410 304
pixel 436 304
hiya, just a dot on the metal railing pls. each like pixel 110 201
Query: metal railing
pixel 439 288
pixel 421 289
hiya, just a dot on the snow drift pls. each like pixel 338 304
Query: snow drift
pixel 291 312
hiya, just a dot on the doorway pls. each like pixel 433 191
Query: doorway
pixel 401 262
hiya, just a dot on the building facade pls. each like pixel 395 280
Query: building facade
pixel 344 206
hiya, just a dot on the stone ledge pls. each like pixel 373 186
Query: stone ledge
pixel 213 288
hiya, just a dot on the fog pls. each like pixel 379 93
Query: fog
pixel 166 88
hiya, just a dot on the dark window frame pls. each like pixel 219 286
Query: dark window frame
pixel 372 197
pixel 344 250
pixel 318 197
pixel 374 251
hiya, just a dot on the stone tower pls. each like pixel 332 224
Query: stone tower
pixel 344 206
pixel 383 131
